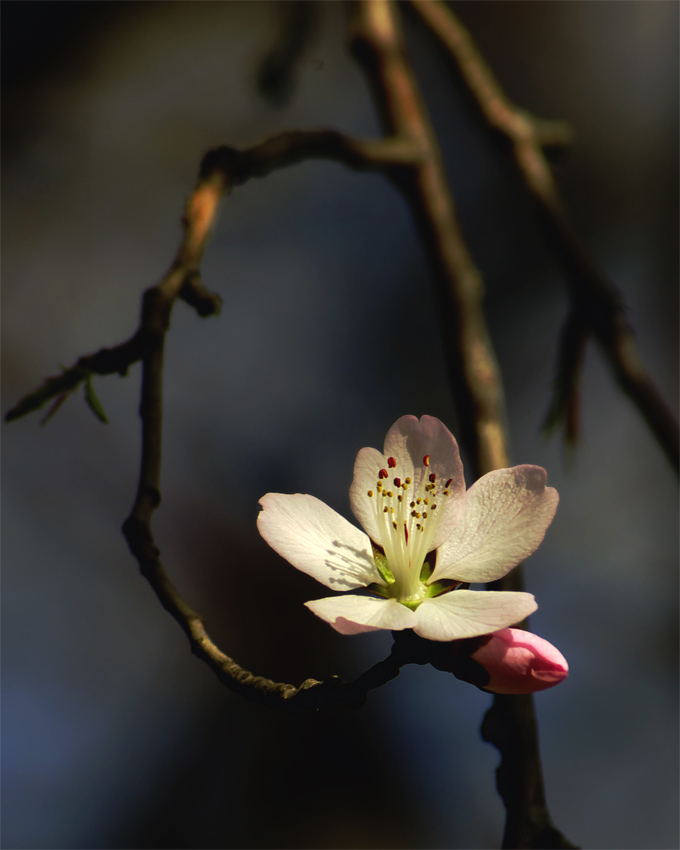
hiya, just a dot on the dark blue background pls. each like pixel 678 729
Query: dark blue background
pixel 113 734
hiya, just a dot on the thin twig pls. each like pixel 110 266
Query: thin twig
pixel 595 299
pixel 376 41
pixel 459 288
pixel 221 169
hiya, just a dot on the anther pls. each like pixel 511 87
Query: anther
pixel 397 482
pixel 408 481
pixel 433 477
pixel 448 483
pixel 370 493
pixel 395 524
pixel 391 462
pixel 382 473
pixel 426 460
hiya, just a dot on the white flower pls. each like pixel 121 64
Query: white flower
pixel 424 536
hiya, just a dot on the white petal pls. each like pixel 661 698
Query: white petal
pixel 505 517
pixel 366 467
pixel 469 613
pixel 317 540
pixel 409 441
pixel 352 614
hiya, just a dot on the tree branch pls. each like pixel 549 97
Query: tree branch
pixel 220 170
pixel 595 300
pixel 377 43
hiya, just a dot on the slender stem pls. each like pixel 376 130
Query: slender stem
pixel 595 299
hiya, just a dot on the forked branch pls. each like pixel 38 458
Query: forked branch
pixel 596 304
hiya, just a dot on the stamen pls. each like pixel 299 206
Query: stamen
pixel 403 508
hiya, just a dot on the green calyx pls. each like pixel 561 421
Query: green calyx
pixel 381 564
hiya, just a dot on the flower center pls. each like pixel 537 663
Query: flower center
pixel 408 512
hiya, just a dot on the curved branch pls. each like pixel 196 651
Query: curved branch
pixel 220 170
pixel 595 299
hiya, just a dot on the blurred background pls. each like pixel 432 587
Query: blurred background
pixel 114 736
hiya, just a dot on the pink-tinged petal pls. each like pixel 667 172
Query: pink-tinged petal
pixel 520 662
pixel 416 449
pixel 351 614
pixel 317 540
pixel 468 613
pixel 505 517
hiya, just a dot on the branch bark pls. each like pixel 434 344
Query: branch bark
pixel 595 300
pixel 377 43
pixel 220 170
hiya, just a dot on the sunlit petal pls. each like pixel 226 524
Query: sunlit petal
pixel 505 517
pixel 317 540
pixel 351 614
pixel 469 613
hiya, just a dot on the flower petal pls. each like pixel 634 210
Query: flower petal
pixel 366 468
pixel 409 441
pixel 469 613
pixel 317 540
pixel 352 614
pixel 505 517
pixel 520 662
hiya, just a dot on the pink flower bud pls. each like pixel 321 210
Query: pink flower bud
pixel 520 662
